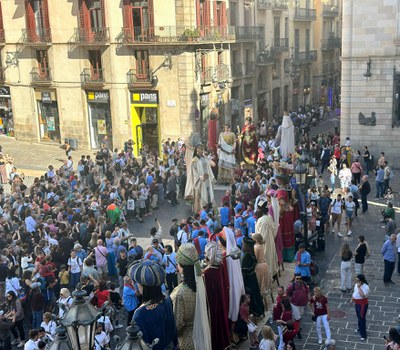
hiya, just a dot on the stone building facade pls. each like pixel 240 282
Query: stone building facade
pixel 150 70
pixel 371 76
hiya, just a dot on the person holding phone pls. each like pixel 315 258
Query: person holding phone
pixel 360 299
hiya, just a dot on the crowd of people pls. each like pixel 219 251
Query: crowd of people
pixel 70 229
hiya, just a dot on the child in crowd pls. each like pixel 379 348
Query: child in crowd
pixel 63 277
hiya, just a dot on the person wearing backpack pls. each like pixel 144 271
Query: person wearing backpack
pixel 365 189
pixel 335 210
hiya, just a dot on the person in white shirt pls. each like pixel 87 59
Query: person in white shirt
pixel 360 299
pixel 31 344
pixel 49 325
pixel 350 210
pixel 335 209
pixel 66 300
pixel 101 339
pixel 105 322
pixel 75 266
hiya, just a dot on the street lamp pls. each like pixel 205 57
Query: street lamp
pixel 133 340
pixel 304 173
pixel 80 322
pixel 61 342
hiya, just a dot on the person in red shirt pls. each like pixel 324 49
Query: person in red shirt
pixel 277 310
pixel 103 294
pixel 319 303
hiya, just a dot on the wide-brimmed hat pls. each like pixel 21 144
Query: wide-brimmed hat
pixel 147 273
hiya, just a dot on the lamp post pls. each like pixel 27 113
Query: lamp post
pixel 80 321
pixel 61 342
pixel 304 173
pixel 133 340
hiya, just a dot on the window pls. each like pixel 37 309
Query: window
pixel 277 29
pixel 307 40
pixel 43 62
pixel 232 11
pixel 220 13
pixel 203 19
pixel 286 27
pixel 96 14
pixel 142 63
pixel 396 100
pixel 296 42
pixel 138 19
pixel 37 20
pixel 95 64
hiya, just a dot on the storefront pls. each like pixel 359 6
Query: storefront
pixel 48 117
pixel 100 123
pixel 6 114
pixel 145 120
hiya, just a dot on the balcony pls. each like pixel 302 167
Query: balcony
pixel 215 74
pixel 281 44
pixel 41 77
pixel 91 36
pixel 139 78
pixel 328 68
pixel 265 58
pixel 330 11
pixel 249 33
pixel 237 70
pixel 38 37
pixel 2 37
pixel 250 68
pixel 263 4
pixel 173 35
pixel 305 14
pixel 92 77
pixel 331 43
pixel 305 57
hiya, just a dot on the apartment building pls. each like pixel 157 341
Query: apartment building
pixel 155 69
pixel 90 69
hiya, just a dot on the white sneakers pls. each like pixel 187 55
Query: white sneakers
pixel 339 234
pixel 349 233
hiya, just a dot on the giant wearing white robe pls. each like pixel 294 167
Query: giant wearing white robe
pixel 266 227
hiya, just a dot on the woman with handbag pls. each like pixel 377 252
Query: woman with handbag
pixel 319 303
pixel 14 308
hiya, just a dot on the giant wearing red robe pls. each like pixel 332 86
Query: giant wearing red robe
pixel 249 149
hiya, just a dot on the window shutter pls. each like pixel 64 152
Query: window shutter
pixel 224 19
pixel 103 12
pixel 127 14
pixel 151 17
pixel 206 11
pixel 215 14
pixel 30 21
pixel 45 9
pixel 198 14
pixel 1 17
pixel 81 17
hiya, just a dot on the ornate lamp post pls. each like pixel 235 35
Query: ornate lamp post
pixel 133 340
pixel 80 321
pixel 304 173
pixel 61 342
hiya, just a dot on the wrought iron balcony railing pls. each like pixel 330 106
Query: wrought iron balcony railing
pixel 305 14
pixel 175 34
pixel 330 11
pixel 237 70
pixel 305 57
pixel 250 67
pixel 249 33
pixel 328 68
pixel 331 43
pixel 215 74
pixel 281 44
pixel 91 36
pixel 39 36
pixel 139 78
pixel 41 76
pixel 92 76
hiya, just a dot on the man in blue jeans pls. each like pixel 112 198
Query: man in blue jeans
pixel 389 258
pixel 380 182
